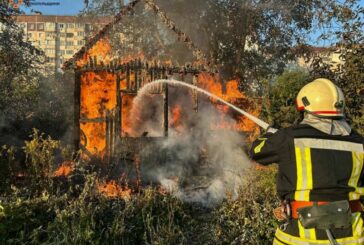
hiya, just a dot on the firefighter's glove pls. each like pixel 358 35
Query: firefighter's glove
pixel 271 130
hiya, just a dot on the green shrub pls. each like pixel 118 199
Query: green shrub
pixel 7 159
pixel 249 219
pixel 40 152
pixel 70 209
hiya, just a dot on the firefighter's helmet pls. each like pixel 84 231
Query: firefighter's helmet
pixel 321 98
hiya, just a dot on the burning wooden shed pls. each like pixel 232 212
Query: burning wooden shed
pixel 112 67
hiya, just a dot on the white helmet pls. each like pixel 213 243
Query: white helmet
pixel 321 98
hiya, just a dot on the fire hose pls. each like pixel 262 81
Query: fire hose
pixel 256 120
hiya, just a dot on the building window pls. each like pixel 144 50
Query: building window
pixel 50 26
pixel 70 26
pixel 40 26
pixel 79 25
pixel 69 43
pixel 63 43
pixel 63 35
pixel 69 52
pixel 61 26
pixel 81 33
pixel 69 34
pixel 23 25
pixel 31 26
pixel 62 52
pixel 50 51
pixel 29 34
pixel 88 27
pixel 80 42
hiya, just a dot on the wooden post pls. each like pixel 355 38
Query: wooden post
pixel 136 79
pixel 112 134
pixel 165 97
pixel 77 110
pixel 118 107
pixel 121 115
pixel 152 74
pixel 194 92
pixel 107 136
pixel 127 77
pixel 139 74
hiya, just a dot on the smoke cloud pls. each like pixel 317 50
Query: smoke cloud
pixel 198 162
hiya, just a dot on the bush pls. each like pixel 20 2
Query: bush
pixel 282 110
pixel 249 219
pixel 7 156
pixel 71 210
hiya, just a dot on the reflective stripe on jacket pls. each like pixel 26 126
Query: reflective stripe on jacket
pixel 309 236
pixel 314 166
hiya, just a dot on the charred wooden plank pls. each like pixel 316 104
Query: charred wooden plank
pixel 77 110
pixel 165 98
pixel 118 106
pixel 127 77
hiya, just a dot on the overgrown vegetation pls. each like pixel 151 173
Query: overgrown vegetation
pixel 249 40
pixel 39 208
pixel 29 96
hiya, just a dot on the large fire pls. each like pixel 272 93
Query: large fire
pixel 101 50
pixel 98 95
pixel 233 95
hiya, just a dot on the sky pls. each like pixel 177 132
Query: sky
pixel 73 7
pixel 64 7
pixel 55 7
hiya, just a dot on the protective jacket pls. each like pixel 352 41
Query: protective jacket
pixel 317 167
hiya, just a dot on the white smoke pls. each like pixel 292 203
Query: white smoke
pixel 199 164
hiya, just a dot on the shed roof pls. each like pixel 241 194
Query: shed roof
pixel 117 18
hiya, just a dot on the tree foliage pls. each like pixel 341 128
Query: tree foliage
pixel 18 73
pixel 246 39
pixel 281 111
pixel 29 97
pixel 349 76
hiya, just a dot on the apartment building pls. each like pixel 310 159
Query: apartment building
pixel 329 55
pixel 59 36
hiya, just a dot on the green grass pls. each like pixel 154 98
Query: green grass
pixel 70 210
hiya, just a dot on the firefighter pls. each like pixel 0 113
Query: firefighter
pixel 320 171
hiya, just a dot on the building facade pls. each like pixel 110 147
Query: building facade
pixel 59 37
pixel 328 55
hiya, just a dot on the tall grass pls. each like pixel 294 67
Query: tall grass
pixel 70 210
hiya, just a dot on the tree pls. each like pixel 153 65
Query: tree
pixel 349 76
pixel 250 40
pixel 28 98
pixel 281 111
pixel 18 73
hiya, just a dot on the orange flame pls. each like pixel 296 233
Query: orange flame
pixel 101 50
pixel 112 189
pixel 233 95
pixel 98 94
pixel 176 118
pixel 65 169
